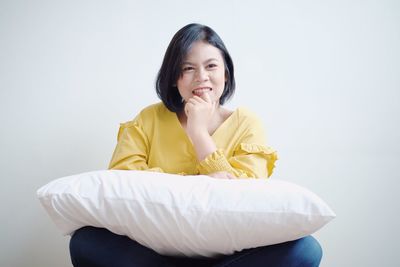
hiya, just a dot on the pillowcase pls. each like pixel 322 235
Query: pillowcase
pixel 185 215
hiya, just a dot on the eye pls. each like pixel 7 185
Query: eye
pixel 187 68
pixel 212 66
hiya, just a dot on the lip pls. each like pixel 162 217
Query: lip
pixel 201 90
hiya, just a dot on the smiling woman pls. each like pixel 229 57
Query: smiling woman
pixel 191 48
pixel 201 85
pixel 191 133
pixel 203 72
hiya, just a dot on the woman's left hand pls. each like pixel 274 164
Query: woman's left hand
pixel 222 175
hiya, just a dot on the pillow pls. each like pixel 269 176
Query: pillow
pixel 185 215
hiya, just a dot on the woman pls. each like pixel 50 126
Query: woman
pixel 190 132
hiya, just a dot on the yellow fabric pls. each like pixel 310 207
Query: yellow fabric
pixel 156 141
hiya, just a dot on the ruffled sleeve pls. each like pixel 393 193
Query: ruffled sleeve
pixel 132 149
pixel 215 162
pixel 248 161
pixel 254 159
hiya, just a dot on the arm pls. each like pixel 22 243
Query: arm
pixel 248 161
pixel 199 112
pixel 132 149
pixel 251 158
pixel 205 146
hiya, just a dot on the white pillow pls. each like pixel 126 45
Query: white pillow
pixel 185 215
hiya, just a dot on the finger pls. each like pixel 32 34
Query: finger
pixel 217 175
pixel 228 176
pixel 197 99
pixel 223 175
pixel 188 107
pixel 206 97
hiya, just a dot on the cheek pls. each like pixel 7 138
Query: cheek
pixel 180 83
pixel 220 79
pixel 183 81
pixel 183 84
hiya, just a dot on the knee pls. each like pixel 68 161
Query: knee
pixel 77 245
pixel 308 251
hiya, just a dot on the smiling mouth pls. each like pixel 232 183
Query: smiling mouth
pixel 200 91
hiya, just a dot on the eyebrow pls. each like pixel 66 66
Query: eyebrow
pixel 208 60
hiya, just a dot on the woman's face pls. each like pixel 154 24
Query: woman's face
pixel 203 72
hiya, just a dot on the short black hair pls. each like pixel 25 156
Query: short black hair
pixel 177 50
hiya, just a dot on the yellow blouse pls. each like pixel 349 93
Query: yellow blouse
pixel 156 141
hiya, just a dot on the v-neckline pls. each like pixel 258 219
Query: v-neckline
pixel 230 117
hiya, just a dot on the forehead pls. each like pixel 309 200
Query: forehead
pixel 201 51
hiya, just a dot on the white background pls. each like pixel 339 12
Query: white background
pixel 323 75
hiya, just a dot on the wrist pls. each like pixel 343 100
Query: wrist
pixel 197 133
pixel 203 144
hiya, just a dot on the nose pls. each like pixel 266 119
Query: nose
pixel 201 75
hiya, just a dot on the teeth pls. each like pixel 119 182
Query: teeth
pixel 201 90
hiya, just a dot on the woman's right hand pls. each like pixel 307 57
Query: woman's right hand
pixel 222 175
pixel 199 111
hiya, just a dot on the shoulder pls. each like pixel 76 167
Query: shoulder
pixel 153 111
pixel 150 114
pixel 246 116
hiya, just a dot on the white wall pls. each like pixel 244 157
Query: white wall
pixel 324 76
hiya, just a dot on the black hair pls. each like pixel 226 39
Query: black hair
pixel 177 50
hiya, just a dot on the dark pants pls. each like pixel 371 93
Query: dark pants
pixel 98 247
